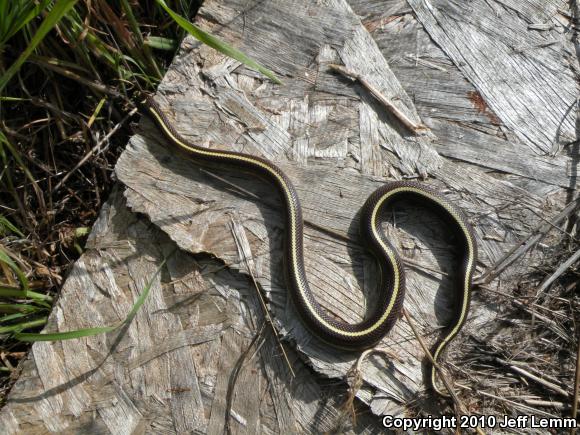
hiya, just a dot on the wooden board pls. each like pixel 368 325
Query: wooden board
pixel 171 370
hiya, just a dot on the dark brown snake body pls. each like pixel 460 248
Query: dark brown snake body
pixel 368 332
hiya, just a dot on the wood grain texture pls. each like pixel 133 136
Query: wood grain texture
pixel 332 186
pixel 170 371
pixel 524 75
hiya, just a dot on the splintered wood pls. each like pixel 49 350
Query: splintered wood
pixel 492 95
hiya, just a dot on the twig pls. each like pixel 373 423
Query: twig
pixel 358 379
pixel 552 325
pixel 234 377
pixel 252 195
pixel 229 183
pixel 559 271
pixel 503 399
pixel 446 383
pixel 547 403
pixel 422 267
pixel 531 370
pixel 412 126
pixel 556 227
pixel 263 302
pixel 329 232
pixel 526 244
pixel 95 149
pixel 535 378
pixel 459 407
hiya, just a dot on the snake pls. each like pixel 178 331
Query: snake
pixel 368 332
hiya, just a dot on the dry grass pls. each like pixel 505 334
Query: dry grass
pixel 526 363
pixel 64 118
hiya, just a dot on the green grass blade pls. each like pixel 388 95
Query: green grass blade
pixel 11 317
pixel 57 12
pixel 57 336
pixel 160 43
pixel 18 308
pixel 144 294
pixel 21 17
pixel 10 292
pixel 35 323
pixel 216 43
pixel 5 224
pixel 4 258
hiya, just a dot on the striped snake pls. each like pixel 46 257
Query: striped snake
pixel 368 332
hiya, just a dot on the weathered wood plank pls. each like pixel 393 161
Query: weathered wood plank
pixel 150 380
pixel 331 186
pixel 170 370
pixel 525 76
pixel 442 94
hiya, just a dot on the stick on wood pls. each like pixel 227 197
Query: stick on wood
pixel 415 128
pixel 264 306
pixel 459 407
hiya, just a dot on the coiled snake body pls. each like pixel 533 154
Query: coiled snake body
pixel 392 284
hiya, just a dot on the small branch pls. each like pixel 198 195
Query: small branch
pixel 547 403
pixel 234 377
pixel 422 268
pixel 358 379
pixel 531 370
pixel 526 244
pixel 405 120
pixel 444 379
pixel 459 407
pixel 551 324
pixel 511 402
pixel 96 149
pixel 559 271
pixel 311 224
pixel 229 183
pixel 263 302
pixel 551 386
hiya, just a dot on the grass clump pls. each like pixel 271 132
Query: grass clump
pixel 68 70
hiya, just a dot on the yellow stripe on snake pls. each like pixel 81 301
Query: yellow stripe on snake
pixel 368 332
